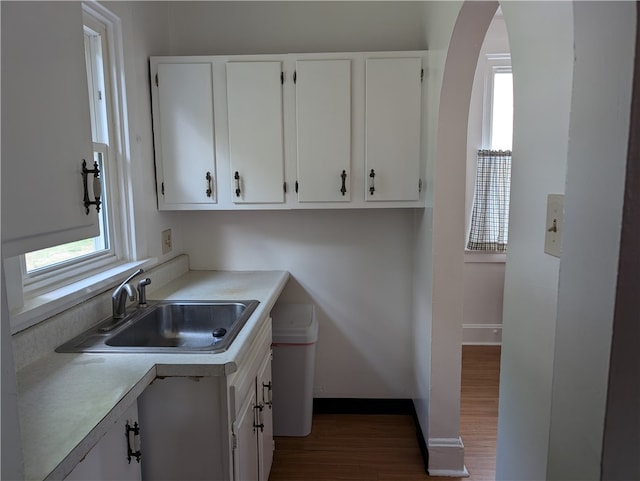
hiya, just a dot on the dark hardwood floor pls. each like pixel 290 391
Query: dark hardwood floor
pixel 384 448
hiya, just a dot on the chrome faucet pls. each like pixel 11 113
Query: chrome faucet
pixel 119 296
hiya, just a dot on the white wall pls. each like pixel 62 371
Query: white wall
pixel 439 18
pixel 541 40
pixel 356 265
pixel 482 302
pixel 209 28
pixel 596 169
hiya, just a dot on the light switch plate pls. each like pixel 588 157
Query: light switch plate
pixel 554 225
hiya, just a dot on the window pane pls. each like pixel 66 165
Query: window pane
pixel 97 87
pixel 502 111
pixel 63 253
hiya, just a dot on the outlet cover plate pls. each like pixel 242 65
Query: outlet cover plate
pixel 166 241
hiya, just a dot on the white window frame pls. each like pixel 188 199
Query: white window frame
pixel 36 298
pixel 496 63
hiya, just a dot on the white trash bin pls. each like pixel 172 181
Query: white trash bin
pixel 295 332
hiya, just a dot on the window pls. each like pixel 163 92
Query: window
pixel 501 108
pixel 43 283
pixel 490 216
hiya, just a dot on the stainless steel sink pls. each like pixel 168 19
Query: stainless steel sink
pixel 169 326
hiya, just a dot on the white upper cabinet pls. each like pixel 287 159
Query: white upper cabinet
pixel 185 147
pixel 46 129
pixel 301 131
pixel 255 126
pixel 323 130
pixel 393 128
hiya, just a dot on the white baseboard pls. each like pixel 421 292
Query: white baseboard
pixel 449 473
pixel 482 334
pixel 446 457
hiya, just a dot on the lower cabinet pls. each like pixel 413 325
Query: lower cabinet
pixel 184 421
pixel 212 427
pixel 114 455
pixel 252 431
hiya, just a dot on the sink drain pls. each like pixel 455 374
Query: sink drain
pixel 219 332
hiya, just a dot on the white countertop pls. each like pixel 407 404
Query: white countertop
pixel 68 401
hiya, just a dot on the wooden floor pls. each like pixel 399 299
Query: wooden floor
pixel 384 447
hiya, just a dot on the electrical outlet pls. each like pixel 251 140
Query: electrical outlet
pixel 166 241
pixel 555 220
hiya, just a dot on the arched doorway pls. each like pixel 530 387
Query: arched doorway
pixel 541 40
pixel 446 449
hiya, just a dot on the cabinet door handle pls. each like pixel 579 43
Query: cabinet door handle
pixel 132 434
pixel 372 186
pixel 268 400
pixel 97 186
pixel 258 422
pixel 209 184
pixel 343 189
pixel 237 179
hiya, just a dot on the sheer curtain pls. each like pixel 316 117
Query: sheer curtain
pixel 490 217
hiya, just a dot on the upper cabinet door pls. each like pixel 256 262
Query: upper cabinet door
pixel 323 130
pixel 46 130
pixel 185 143
pixel 393 131
pixel 256 143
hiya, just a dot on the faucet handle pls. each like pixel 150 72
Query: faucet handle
pixel 142 291
pixel 124 283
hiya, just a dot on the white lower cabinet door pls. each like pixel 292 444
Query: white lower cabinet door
pixel 110 459
pixel 265 419
pixel 245 446
pixel 184 422
pixel 253 429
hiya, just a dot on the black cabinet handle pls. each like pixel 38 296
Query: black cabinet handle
pixel 258 422
pixel 209 184
pixel 268 399
pixel 237 178
pixel 343 189
pixel 131 433
pixel 372 186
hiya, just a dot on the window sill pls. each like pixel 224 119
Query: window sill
pixel 42 306
pixel 484 257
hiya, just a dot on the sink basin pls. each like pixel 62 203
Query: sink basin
pixel 169 326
